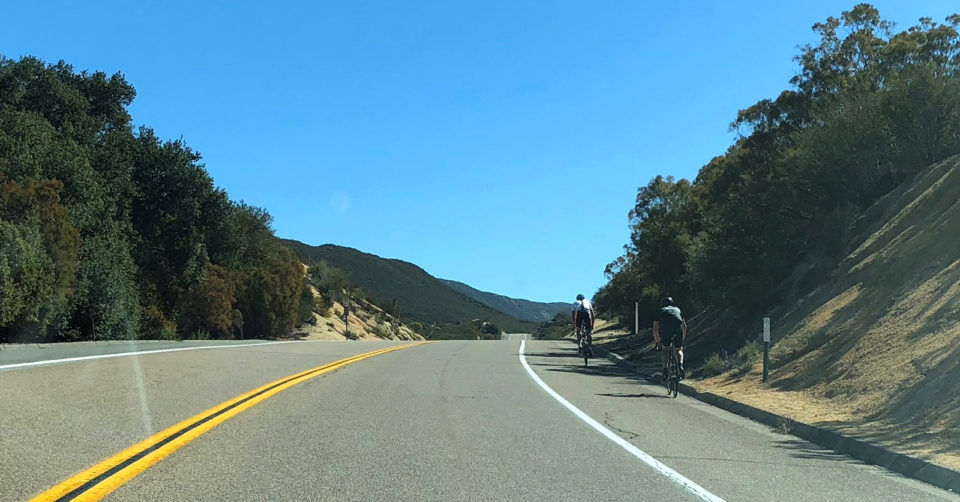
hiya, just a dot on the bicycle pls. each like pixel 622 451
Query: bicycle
pixel 585 345
pixel 672 374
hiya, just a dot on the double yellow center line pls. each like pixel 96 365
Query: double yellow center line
pixel 109 474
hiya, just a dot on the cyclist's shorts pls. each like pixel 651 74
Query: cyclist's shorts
pixel 676 339
pixel 583 319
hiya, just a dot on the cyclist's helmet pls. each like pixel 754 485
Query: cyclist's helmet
pixel 579 297
pixel 666 301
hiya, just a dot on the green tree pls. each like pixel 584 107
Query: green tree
pixel 38 259
pixel 271 296
pixel 107 301
pixel 112 233
pixel 868 109
pixel 209 305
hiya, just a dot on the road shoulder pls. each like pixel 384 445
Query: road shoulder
pixel 916 468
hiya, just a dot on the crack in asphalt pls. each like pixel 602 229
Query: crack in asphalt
pixel 606 420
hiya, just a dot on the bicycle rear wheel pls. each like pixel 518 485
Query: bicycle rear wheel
pixel 675 373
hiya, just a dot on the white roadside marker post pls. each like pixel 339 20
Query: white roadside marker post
pixel 766 347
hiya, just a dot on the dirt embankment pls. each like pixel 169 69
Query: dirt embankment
pixel 365 322
pixel 874 350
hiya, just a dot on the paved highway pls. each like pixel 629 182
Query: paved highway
pixel 436 421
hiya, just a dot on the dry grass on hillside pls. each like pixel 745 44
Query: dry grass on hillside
pixel 366 322
pixel 875 352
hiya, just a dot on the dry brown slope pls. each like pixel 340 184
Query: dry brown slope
pixel 365 322
pixel 875 350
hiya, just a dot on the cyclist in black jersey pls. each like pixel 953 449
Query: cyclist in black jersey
pixel 670 330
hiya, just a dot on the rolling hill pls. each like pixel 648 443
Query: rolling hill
pixel 421 296
pixel 521 309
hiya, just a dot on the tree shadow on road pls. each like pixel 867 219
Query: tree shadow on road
pixel 601 368
pixel 642 394
pixel 807 450
pixel 566 354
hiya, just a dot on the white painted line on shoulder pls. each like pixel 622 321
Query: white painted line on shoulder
pixel 142 352
pixel 660 467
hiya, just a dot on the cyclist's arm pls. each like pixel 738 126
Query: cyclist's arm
pixel 683 329
pixel 656 332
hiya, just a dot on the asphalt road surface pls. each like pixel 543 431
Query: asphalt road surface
pixel 436 421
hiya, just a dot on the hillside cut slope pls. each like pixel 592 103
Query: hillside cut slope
pixel 521 309
pixel 875 350
pixel 421 296
pixel 365 322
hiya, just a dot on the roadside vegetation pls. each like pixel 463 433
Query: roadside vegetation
pixel 556 328
pixel 110 232
pixel 869 109
pixel 470 330
pixel 740 362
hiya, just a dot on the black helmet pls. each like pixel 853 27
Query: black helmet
pixel 666 301
pixel 579 297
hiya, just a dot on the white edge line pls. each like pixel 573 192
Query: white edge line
pixel 124 354
pixel 660 467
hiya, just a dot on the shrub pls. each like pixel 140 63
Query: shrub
pixel 383 331
pixel 305 306
pixel 323 305
pixel 156 326
pixel 714 365
pixel 746 356
pixel 208 305
pixel 200 334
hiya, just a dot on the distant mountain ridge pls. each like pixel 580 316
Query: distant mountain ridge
pixel 420 296
pixel 526 310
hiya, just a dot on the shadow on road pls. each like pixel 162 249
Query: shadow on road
pixel 600 368
pixel 567 354
pixel 807 450
pixel 569 361
pixel 656 396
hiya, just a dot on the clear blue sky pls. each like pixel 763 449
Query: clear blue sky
pixel 446 134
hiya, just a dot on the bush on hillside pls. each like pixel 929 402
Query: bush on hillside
pixel 306 306
pixel 558 327
pixel 746 357
pixel 714 365
pixel 741 362
pixel 383 331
